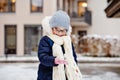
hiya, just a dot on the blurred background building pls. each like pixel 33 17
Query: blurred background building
pixel 21 29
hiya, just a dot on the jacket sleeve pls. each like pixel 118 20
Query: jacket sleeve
pixel 45 54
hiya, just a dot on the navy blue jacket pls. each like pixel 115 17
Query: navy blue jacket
pixel 46 58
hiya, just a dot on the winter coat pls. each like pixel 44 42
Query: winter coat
pixel 46 58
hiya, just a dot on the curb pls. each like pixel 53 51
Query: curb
pixel 80 59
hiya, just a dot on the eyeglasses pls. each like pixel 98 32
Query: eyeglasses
pixel 60 30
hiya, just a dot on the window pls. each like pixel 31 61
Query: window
pixel 7 6
pixel 32 33
pixel 75 8
pixel 81 8
pixel 36 5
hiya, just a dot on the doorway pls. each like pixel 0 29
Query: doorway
pixel 10 39
pixel 82 33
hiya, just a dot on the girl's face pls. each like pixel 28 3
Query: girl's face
pixel 59 31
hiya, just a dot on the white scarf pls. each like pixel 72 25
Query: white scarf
pixel 71 70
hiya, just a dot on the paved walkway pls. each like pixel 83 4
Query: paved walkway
pixel 92 68
pixel 28 71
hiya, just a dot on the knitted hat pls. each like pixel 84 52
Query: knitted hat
pixel 60 19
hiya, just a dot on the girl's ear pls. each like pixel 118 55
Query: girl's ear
pixel 53 30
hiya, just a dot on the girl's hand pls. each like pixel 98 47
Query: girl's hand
pixel 60 61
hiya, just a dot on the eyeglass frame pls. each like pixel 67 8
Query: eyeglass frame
pixel 62 31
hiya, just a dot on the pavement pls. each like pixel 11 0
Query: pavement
pixel 92 68
pixel 28 71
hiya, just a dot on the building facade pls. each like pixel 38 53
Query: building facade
pixel 20 25
pixel 20 22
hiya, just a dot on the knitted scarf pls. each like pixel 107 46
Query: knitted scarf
pixel 71 70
